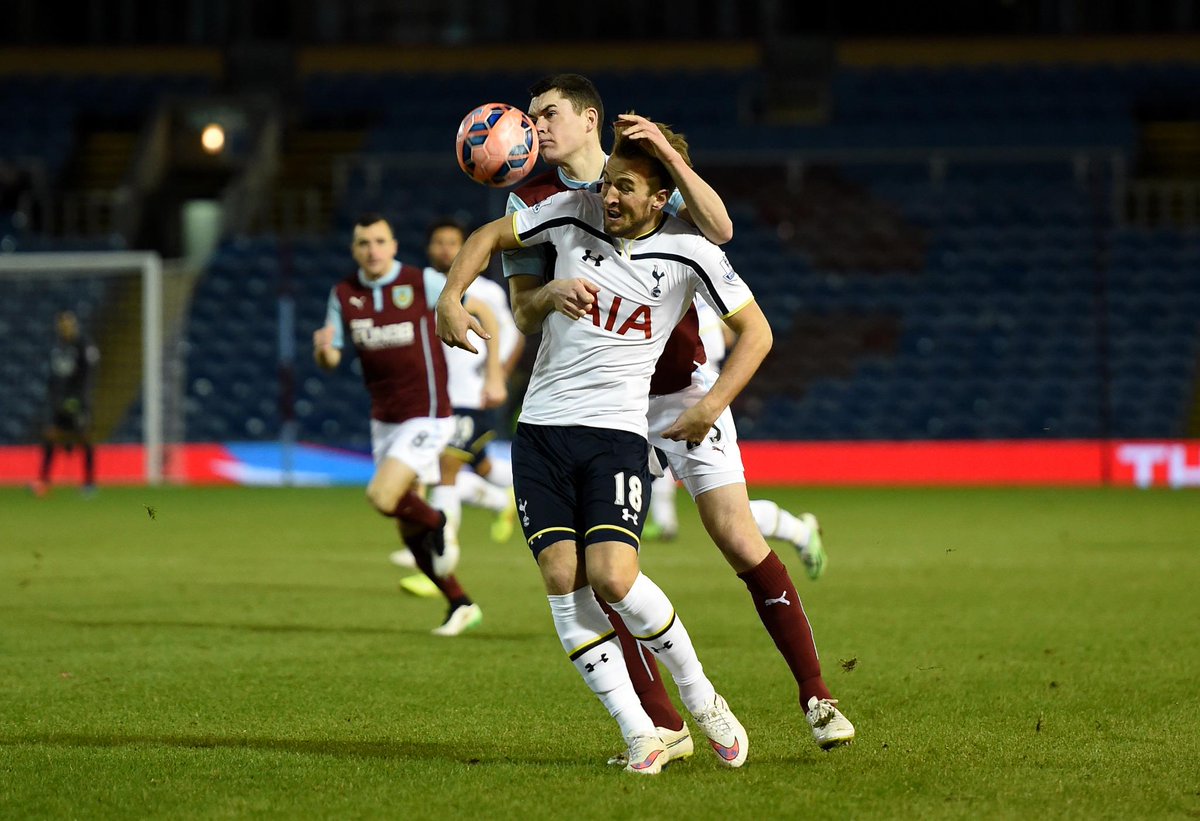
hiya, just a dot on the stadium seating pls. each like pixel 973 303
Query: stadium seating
pixel 992 299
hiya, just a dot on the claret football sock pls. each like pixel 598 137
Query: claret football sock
pixel 412 508
pixel 448 585
pixel 783 615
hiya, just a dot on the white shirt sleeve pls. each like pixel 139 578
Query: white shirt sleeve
pixel 333 316
pixel 548 220
pixel 522 261
pixel 435 283
pixel 719 284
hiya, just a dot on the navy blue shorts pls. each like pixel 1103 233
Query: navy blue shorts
pixel 585 484
pixel 473 429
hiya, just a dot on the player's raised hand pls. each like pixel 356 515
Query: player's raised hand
pixel 453 323
pixel 637 127
pixel 495 392
pixel 323 337
pixel 572 298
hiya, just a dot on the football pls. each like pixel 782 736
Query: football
pixel 497 144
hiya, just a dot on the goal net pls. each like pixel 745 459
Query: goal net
pixel 135 391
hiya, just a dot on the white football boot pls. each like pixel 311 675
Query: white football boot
pixel 647 754
pixel 678 743
pixel 829 727
pixel 726 735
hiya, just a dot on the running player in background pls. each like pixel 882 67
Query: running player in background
pixel 385 310
pixel 486 485
pixel 73 361
pixel 624 273
pixel 568 113
pixel 803 531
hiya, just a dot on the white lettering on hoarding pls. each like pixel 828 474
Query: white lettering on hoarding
pixel 1145 457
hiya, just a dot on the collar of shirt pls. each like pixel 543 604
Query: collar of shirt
pixel 575 185
pixel 386 279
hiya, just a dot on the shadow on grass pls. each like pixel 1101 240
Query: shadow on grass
pixel 519 637
pixel 396 750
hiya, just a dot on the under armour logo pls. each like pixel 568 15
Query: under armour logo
pixel 628 515
pixel 665 646
pixel 356 301
pixel 657 292
pixel 781 600
pixel 591 668
pixel 595 260
pixel 521 504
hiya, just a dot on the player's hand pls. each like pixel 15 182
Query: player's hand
pixel 323 338
pixel 691 426
pixel 453 323
pixel 495 392
pixel 647 133
pixel 573 298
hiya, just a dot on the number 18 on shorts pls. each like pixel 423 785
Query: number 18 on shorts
pixel 580 484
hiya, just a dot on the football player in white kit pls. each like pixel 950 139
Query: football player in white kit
pixel 625 273
pixel 567 110
pixel 803 531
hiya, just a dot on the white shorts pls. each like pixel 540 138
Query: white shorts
pixel 417 442
pixel 715 462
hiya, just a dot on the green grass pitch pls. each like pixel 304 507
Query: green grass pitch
pixel 246 653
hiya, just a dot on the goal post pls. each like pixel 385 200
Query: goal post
pixel 119 298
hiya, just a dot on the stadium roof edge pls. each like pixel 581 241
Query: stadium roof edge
pixel 975 51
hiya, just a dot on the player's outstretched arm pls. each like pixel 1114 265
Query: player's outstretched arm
pixel 453 320
pixel 754 343
pixel 703 206
pixel 326 356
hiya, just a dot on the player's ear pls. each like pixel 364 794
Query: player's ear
pixel 593 118
pixel 660 198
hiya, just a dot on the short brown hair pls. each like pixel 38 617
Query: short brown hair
pixel 635 149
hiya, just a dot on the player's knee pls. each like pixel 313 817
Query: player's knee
pixel 743 547
pixel 611 583
pixel 383 499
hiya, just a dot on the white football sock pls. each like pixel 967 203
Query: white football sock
pixel 445 498
pixel 648 614
pixel 500 473
pixel 591 644
pixel 662 503
pixel 479 492
pixel 776 523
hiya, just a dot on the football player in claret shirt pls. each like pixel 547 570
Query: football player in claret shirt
pixel 385 310
pixel 488 484
pixel 73 361
pixel 624 273
pixel 568 112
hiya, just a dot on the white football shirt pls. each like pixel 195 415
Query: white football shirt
pixel 466 369
pixel 596 371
